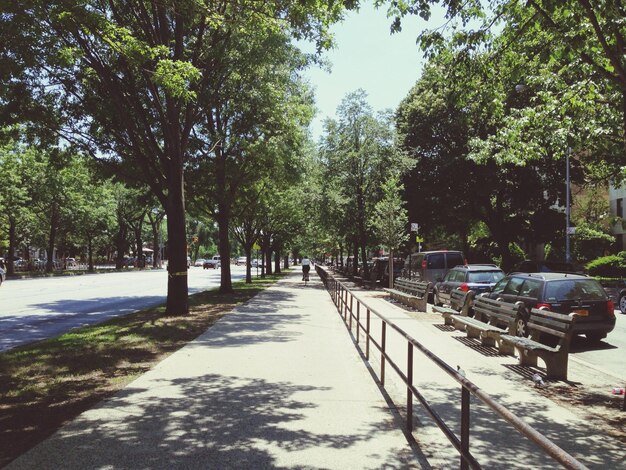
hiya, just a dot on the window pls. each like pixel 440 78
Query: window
pixel 499 287
pixel 531 288
pixel 619 203
pixel 512 288
pixel 454 259
pixel 436 261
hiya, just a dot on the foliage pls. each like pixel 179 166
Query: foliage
pixel 389 219
pixel 591 241
pixel 608 266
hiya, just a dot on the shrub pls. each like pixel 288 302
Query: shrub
pixel 608 266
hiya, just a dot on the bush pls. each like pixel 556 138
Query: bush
pixel 608 266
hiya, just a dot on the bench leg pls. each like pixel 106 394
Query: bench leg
pixel 526 357
pixel 447 319
pixel 472 332
pixel 486 339
pixel 556 366
pixel 458 325
pixel 420 305
pixel 506 348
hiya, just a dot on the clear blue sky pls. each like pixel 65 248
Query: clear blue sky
pixel 368 56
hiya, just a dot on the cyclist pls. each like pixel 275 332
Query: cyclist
pixel 306 267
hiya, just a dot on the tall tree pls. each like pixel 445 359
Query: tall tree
pixel 133 78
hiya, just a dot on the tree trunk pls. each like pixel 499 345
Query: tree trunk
pixel 12 242
pixel 90 253
pixel 223 221
pixel 277 261
pixel 51 240
pixel 355 259
pixel 177 294
pixel 390 268
pixel 248 250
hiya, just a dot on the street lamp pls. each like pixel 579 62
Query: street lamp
pixel 568 229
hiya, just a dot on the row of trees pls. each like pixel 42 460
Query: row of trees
pixel 199 101
pixel 505 95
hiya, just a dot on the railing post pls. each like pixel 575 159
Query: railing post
pixel 351 302
pixel 382 353
pixel 367 336
pixel 465 426
pixel 409 392
pixel 358 321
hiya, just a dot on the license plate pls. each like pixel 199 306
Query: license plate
pixel 582 312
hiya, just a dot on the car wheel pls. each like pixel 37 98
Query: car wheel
pixel 521 326
pixel 622 303
pixel 595 337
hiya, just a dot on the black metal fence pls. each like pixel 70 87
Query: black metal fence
pixel 355 311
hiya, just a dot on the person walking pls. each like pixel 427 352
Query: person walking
pixel 306 267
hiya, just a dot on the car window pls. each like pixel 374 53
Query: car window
pixel 531 288
pixel 499 287
pixel 574 289
pixel 436 261
pixel 450 276
pixel 454 259
pixel 485 276
pixel 512 288
pixel 460 276
pixel 416 262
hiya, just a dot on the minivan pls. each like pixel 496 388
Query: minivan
pixel 432 266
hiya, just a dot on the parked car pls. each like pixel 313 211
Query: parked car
pixel 616 290
pixel 478 278
pixel 212 263
pixel 3 275
pixel 199 262
pixel 561 293
pixel 241 261
pixel 528 266
pixel 71 263
pixel 431 266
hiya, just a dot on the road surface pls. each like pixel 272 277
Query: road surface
pixel 39 308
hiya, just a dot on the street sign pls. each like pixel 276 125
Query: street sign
pixel 571 230
pixel 419 239
pixel 414 227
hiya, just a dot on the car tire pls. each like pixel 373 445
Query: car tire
pixel 621 304
pixel 521 322
pixel 595 337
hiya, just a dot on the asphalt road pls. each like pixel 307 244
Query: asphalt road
pixel 39 308
pixel 607 355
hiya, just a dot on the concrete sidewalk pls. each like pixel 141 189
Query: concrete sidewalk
pixel 275 384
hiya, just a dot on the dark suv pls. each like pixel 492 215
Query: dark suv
pixel 560 293
pixel 476 277
pixel 431 266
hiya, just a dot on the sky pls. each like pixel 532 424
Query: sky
pixel 368 56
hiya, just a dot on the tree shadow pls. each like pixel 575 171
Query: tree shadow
pixel 210 421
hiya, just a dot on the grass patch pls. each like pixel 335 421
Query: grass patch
pixel 47 384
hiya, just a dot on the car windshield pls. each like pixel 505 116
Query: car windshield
pixel 578 289
pixel 487 277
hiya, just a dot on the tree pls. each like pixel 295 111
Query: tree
pixel 361 151
pixel 389 220
pixel 133 78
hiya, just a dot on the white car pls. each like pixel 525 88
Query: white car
pixel 199 262
pixel 241 260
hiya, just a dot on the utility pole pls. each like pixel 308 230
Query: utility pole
pixel 568 257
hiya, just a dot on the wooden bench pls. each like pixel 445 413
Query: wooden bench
pixel 460 304
pixel 411 293
pixel 492 319
pixel 546 328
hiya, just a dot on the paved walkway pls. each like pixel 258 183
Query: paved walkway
pixel 278 383
pixel 275 384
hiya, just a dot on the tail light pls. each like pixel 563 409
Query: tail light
pixel 464 287
pixel 610 307
pixel 544 306
pixel 424 264
pixel 465 262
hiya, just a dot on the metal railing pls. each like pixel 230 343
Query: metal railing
pixel 352 309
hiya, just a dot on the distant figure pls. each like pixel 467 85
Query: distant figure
pixel 306 267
